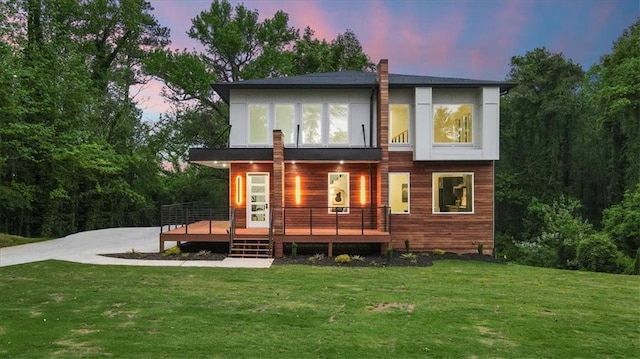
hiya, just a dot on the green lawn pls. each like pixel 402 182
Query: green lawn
pixel 454 309
pixel 8 240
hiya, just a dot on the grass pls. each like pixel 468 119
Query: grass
pixel 454 309
pixel 8 240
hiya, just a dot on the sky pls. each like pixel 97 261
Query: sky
pixel 455 38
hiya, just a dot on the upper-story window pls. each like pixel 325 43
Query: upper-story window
pixel 285 121
pixel 311 123
pixel 399 123
pixel 258 123
pixel 453 123
pixel 338 123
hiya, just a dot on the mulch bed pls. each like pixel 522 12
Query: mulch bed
pixel 421 259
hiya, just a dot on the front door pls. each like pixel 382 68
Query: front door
pixel 257 200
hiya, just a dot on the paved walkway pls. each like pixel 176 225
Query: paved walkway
pixel 86 247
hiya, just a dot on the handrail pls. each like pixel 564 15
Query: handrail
pixel 232 226
pixel 180 215
pixel 271 232
pixel 339 218
pixel 402 137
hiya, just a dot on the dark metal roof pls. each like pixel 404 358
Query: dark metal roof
pixel 230 154
pixel 352 79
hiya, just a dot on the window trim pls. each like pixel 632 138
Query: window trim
pixel 473 141
pixel 435 187
pixel 408 177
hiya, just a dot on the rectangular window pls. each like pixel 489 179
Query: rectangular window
pixel 285 119
pixel 399 192
pixel 338 124
pixel 453 124
pixel 338 192
pixel 453 192
pixel 311 124
pixel 399 124
pixel 258 124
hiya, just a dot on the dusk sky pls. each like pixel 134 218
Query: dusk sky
pixel 459 38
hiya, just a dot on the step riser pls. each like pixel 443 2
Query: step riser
pixel 250 247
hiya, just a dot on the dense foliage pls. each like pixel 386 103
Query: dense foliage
pixel 75 154
pixel 569 151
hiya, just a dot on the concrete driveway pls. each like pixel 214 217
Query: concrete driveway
pixel 86 247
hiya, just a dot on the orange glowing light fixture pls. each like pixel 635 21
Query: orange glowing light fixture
pixel 238 190
pixel 363 194
pixel 298 190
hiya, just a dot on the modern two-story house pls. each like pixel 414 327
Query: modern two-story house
pixel 359 157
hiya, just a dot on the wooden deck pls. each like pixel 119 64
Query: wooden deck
pixel 218 231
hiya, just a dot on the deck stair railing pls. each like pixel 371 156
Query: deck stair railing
pixel 337 218
pixel 232 226
pixel 180 215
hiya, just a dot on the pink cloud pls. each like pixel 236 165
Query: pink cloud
pixel 500 38
pixel 149 99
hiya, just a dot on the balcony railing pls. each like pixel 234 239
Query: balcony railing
pixel 341 220
pixel 180 215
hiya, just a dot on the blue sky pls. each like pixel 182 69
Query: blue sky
pixel 458 38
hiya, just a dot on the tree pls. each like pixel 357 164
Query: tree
pixel 622 222
pixel 239 47
pixel 539 122
pixel 616 91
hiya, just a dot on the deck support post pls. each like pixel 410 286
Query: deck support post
pixel 278 249
pixel 330 249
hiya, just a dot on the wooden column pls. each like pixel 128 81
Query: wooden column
pixel 382 172
pixel 277 191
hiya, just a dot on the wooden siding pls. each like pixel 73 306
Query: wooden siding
pixel 454 232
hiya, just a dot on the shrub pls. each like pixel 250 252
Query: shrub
pixel 622 222
pixel 294 249
pixel 203 253
pixel 173 251
pixel 557 227
pixel 597 253
pixel 636 263
pixel 438 252
pixel 357 258
pixel 343 258
pixel 389 253
pixel 410 257
pixel 406 246
pixel 316 258
pixel 480 248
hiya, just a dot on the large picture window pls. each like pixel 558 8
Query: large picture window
pixel 453 123
pixel 311 123
pixel 399 192
pixel 399 124
pixel 338 124
pixel 258 124
pixel 453 192
pixel 338 192
pixel 285 119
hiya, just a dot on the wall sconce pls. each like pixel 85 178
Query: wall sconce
pixel 298 190
pixel 363 194
pixel 238 190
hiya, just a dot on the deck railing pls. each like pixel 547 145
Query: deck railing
pixel 179 215
pixel 232 226
pixel 340 218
